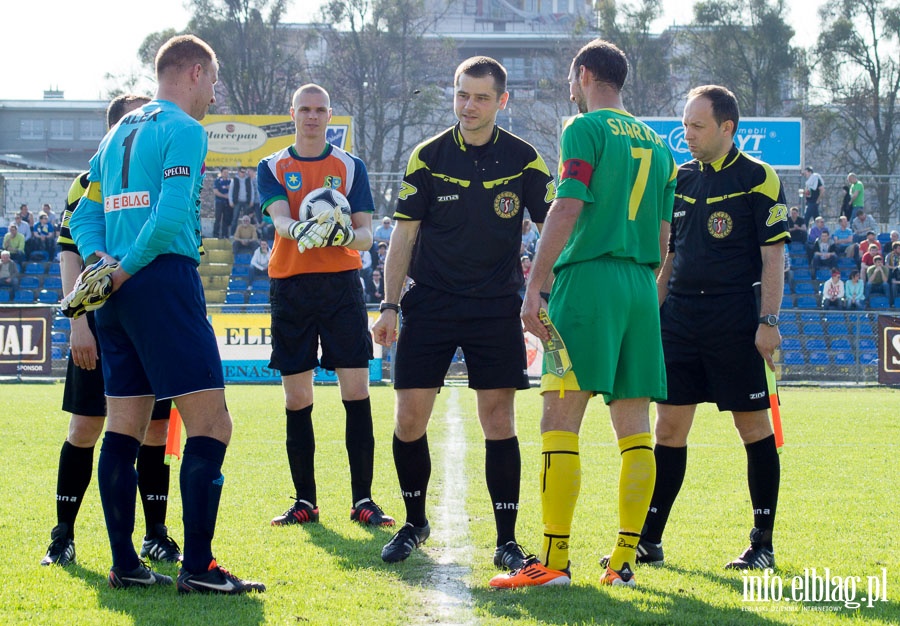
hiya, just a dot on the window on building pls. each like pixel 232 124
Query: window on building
pixel 91 129
pixel 31 129
pixel 62 129
pixel 515 68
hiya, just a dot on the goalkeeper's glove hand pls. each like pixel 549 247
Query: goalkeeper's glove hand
pixel 326 229
pixel 92 288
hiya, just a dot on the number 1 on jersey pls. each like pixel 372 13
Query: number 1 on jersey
pixel 126 158
pixel 644 155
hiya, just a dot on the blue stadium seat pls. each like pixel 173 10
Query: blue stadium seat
pixel 811 316
pixel 837 329
pixel 52 282
pixel 879 302
pixel 29 282
pixel 791 343
pixel 867 344
pixel 823 273
pixel 240 270
pixel 788 316
pixel 797 247
pixel 790 329
pixel 804 288
pixel 846 263
pixel 53 269
pixel 56 353
pixel 807 302
pixel 237 284
pixel 4 295
pixel 34 268
pixel 844 358
pixel 802 274
pixel 259 297
pixel 62 323
pixel 235 297
pixel 868 358
pixel 48 296
pixel 841 344
pixel 3 230
pixel 799 262
pixel 816 345
pixel 260 284
pixel 25 296
pixel 787 288
pixel 787 302
pixel 242 258
pixel 819 358
pixel 883 238
pixel 58 337
pixel 813 329
pixel 40 256
pixel 793 357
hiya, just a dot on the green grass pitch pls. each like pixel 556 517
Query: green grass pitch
pixel 838 510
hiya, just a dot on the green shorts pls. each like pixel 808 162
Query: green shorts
pixel 607 313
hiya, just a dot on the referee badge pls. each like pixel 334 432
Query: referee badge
pixel 719 224
pixel 506 204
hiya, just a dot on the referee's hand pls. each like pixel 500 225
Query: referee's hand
pixel 768 338
pixel 384 330
pixel 531 304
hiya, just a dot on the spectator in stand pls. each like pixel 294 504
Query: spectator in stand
pixel 846 209
pixel 23 225
pixel 14 243
pixel 892 262
pixel 530 236
pixel 813 190
pixel 246 238
pixel 383 232
pixel 824 253
pixel 854 292
pixel 53 217
pixel 259 263
pixel 375 288
pixel 862 224
pixel 9 273
pixel 239 196
pixel 26 215
pixel 868 258
pixel 797 226
pixel 254 209
pixel 366 271
pixel 382 255
pixel 788 273
pixel 43 237
pixel 843 238
pixel 224 212
pixel 833 291
pixel 857 193
pixel 878 279
pixel 815 230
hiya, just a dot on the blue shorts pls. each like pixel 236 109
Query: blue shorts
pixel 155 336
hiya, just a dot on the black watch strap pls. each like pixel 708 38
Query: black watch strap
pixel 385 306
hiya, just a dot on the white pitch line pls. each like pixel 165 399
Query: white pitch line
pixel 448 599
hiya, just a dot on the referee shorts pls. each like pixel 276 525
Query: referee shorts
pixel 607 312
pixel 436 323
pixel 155 336
pixel 311 308
pixel 709 343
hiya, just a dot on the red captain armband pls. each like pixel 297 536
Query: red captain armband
pixel 577 169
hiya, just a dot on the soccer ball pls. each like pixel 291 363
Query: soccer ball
pixel 321 201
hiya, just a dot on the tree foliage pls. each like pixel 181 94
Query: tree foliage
pixel 381 69
pixel 745 46
pixel 649 90
pixel 857 51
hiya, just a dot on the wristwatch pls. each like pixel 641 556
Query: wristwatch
pixel 769 320
pixel 388 306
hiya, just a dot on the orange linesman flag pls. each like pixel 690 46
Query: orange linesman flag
pixel 173 439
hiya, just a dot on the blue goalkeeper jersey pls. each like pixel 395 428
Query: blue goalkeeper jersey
pixel 145 179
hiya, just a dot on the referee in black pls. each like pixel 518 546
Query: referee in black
pixel 458 235
pixel 729 229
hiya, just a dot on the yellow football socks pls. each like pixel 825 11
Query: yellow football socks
pixel 636 478
pixel 560 484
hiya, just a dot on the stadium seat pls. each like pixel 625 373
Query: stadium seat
pixel 801 275
pixel 787 288
pixel 816 345
pixel 62 323
pixel 883 238
pixel 790 329
pixel 797 248
pixel 240 270
pixel 260 284
pixel 819 358
pixel 48 296
pixel 868 358
pixel 844 358
pixel 29 282
pixel 867 344
pixel 237 284
pixel 3 230
pixel 837 329
pixel 4 295
pixel 807 302
pixel 24 296
pixel 787 302
pixel 799 262
pixel 34 268
pixel 242 258
pixel 40 256
pixel 52 282
pixel 811 316
pixel 814 329
pixel 259 297
pixel 793 357
pixel 879 302
pixel 823 273
pixel 58 337
pixel 846 263
pixel 235 297
pixel 791 343
pixel 53 269
pixel 804 288
pixel 788 316
pixel 842 344
pixel 56 353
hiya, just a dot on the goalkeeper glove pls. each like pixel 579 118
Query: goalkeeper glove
pixel 326 229
pixel 92 288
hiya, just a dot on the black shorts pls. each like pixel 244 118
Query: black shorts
pixel 84 392
pixel 311 308
pixel 709 344
pixel 488 330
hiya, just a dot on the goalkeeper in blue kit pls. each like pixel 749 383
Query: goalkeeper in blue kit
pixel 142 211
